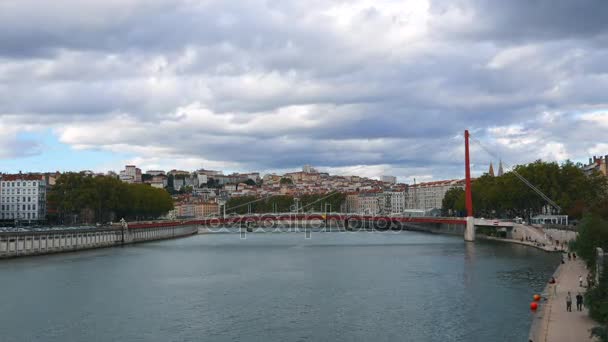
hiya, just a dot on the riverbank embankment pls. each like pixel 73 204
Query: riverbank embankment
pixel 541 246
pixel 552 322
pixel 41 242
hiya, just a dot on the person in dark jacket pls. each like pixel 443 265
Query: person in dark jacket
pixel 579 302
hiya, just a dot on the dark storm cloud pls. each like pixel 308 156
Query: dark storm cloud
pixel 32 28
pixel 276 84
pixel 523 20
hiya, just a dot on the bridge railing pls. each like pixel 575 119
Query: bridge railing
pixel 250 218
pixel 43 232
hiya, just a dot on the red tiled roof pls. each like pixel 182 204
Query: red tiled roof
pixel 21 177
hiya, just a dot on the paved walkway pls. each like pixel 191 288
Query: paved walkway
pixel 546 248
pixel 558 325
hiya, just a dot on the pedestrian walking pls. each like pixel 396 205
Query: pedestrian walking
pixel 553 284
pixel 580 280
pixel 555 290
pixel 574 256
pixel 579 302
pixel 569 256
pixel 569 302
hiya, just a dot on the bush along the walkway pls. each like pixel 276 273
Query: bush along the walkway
pixel 593 233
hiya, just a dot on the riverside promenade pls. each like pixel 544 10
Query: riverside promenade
pixel 552 322
pixel 547 247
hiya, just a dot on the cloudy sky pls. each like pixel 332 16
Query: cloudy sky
pixel 366 87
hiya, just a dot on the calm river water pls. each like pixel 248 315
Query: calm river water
pixel 361 286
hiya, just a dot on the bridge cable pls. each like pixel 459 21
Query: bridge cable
pixel 518 175
pixel 250 202
pixel 320 199
pixel 269 196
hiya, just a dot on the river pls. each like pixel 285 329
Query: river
pixel 362 286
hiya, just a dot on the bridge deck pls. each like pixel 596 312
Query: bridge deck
pixel 299 217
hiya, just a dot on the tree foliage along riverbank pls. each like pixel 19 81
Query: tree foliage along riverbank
pixel 593 233
pixel 282 204
pixel 77 198
pixel 507 196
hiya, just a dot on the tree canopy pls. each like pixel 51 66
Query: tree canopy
pixel 507 196
pixel 213 183
pixel 593 233
pixel 281 204
pixel 452 203
pixel 106 198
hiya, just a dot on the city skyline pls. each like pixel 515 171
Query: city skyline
pixel 385 178
pixel 290 170
pixel 365 88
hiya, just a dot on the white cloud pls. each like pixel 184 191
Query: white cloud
pixel 554 151
pixel 599 118
pixel 519 55
pixel 599 149
pixel 370 87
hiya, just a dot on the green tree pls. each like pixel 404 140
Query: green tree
pixel 453 202
pixel 507 196
pixel 283 203
pixel 186 189
pixel 74 196
pixel 593 233
pixel 213 183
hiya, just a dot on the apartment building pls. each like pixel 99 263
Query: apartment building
pixel 206 209
pixel 389 179
pixel 597 164
pixel 369 203
pixel 131 174
pixel 23 197
pixel 427 196
pixel 393 202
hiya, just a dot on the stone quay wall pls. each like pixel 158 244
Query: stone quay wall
pixel 27 243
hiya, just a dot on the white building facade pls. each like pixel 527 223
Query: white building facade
pixel 369 204
pixel 22 197
pixel 394 202
pixel 389 179
pixel 131 174
pixel 428 196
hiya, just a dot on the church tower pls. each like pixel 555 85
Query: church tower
pixel 500 170
pixel 491 171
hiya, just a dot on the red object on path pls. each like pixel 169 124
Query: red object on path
pixel 467 168
pixel 536 298
pixel 533 306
